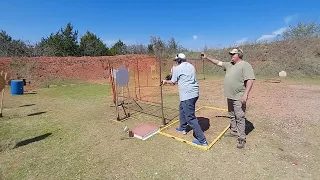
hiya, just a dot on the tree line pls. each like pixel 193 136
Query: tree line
pixel 66 42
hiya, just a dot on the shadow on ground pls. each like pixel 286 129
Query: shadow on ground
pixel 32 140
pixel 249 127
pixel 27 105
pixel 37 113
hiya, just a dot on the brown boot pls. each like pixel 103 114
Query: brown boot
pixel 241 143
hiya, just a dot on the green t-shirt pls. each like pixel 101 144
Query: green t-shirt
pixel 234 81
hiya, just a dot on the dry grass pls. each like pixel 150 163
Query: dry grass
pixel 299 58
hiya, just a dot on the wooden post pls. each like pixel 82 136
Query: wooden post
pixel 128 115
pixel 111 79
pixel 2 95
pixel 117 102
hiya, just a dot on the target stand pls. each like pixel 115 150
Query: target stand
pixel 121 85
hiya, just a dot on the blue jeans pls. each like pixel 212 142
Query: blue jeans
pixel 187 117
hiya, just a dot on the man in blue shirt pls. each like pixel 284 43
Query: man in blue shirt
pixel 184 74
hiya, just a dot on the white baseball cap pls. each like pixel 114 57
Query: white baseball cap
pixel 236 51
pixel 181 56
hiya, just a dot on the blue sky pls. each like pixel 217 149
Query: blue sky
pixel 193 24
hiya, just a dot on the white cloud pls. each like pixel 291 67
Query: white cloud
pixel 279 31
pixel 274 34
pixel 241 41
pixel 290 18
pixel 268 37
pixel 195 37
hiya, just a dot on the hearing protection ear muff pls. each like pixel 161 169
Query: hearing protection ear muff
pixel 239 50
pixel 179 60
pixel 240 54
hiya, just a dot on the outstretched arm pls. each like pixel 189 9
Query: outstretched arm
pixel 214 61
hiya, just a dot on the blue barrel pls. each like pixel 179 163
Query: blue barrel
pixel 17 87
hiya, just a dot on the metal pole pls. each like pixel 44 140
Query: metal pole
pixel 161 95
pixel 138 79
pixel 204 76
pixel 135 86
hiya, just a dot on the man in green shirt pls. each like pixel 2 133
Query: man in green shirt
pixel 237 84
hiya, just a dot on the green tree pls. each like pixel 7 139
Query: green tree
pixel 150 49
pixel 69 41
pixel 136 49
pixel 10 47
pixel 5 41
pixel 172 46
pixel 159 46
pixel 62 43
pixel 43 48
pixel 50 46
pixel 20 48
pixel 302 30
pixel 117 49
pixel 91 45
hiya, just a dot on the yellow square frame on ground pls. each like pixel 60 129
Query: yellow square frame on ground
pixel 189 142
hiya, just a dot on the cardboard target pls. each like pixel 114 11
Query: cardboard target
pixel 122 76
pixel 2 82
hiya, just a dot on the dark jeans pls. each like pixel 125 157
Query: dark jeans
pixel 187 117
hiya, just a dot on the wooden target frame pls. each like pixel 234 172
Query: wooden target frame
pixel 121 80
pixel 3 80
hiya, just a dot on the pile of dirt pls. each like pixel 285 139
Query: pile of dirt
pixel 42 69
